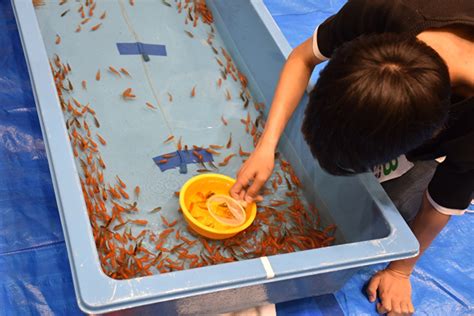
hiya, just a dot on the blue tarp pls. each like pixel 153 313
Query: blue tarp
pixel 34 271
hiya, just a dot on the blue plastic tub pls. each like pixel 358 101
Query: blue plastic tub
pixel 370 229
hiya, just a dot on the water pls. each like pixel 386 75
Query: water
pixel 134 132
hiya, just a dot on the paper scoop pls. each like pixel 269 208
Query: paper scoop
pixel 226 210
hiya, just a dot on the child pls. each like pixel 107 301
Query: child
pixel 400 81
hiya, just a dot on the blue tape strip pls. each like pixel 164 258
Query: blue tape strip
pixel 183 169
pixel 181 159
pixel 141 49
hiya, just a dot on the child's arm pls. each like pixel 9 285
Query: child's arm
pixel 293 81
pixel 393 283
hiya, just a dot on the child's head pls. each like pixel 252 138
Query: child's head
pixel 378 97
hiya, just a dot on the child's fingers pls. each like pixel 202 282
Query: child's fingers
pixel 405 308
pixel 239 186
pixel 372 288
pixel 381 309
pixel 396 307
pixel 252 191
pixel 385 305
pixel 235 190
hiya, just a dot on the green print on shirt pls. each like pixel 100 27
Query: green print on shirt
pixel 392 166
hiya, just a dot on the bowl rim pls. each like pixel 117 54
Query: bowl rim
pixel 188 216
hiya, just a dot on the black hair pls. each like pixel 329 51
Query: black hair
pixel 378 97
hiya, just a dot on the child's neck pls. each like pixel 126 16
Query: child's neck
pixel 456 46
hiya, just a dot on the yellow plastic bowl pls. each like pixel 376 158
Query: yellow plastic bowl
pixel 220 184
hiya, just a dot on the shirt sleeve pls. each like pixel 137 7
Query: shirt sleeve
pixel 359 17
pixel 452 185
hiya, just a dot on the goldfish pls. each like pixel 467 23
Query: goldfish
pixel 101 162
pixel 167 156
pixel 274 184
pixel 127 94
pixel 114 193
pixel 122 192
pixel 179 144
pixel 96 27
pixel 122 184
pixel 229 142
pixel 114 71
pixel 117 227
pixel 140 222
pixel 125 72
pixel 170 138
pixel 102 140
pixel 101 177
pixel 254 130
pixel 279 178
pixel 151 106
pixel 156 209
pixel 96 122
pixel 197 155
pixel 226 160
pixel 219 62
pixel 243 153
pixel 77 103
pixel 94 144
pixel 277 202
pixel 71 88
pixel 224 121
pixel 295 180
pixel 212 151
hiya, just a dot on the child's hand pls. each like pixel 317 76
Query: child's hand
pixel 394 290
pixel 253 174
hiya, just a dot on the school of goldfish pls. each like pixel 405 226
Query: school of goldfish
pixel 281 226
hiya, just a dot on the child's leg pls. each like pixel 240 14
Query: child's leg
pixel 406 192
